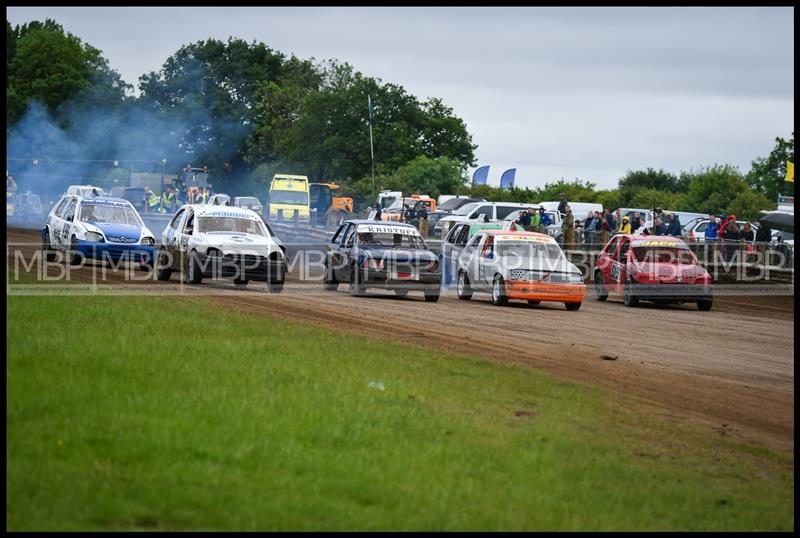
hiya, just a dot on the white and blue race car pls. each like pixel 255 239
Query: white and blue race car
pixel 96 227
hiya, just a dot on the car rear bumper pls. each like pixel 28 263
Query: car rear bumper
pixel 545 291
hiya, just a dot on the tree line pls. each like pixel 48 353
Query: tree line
pixel 248 111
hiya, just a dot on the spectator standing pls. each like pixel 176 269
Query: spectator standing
pixel 524 219
pixel 659 228
pixel 562 205
pixel 763 238
pixel 377 208
pixel 731 242
pixel 568 227
pixel 544 221
pixel 535 219
pixel 625 227
pixel 636 221
pixel 710 237
pixel 422 217
pixel 674 225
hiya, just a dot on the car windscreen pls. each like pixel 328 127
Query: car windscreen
pixel 390 240
pixel 288 197
pixel 529 250
pixel 663 255
pixel 111 214
pixel 466 209
pixel 248 201
pixel 209 224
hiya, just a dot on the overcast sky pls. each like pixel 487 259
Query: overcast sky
pixel 554 92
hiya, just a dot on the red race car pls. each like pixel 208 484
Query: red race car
pixel 661 269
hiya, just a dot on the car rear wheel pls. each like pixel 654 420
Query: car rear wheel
pixel 462 287
pixel 329 283
pixel 533 302
pixel 276 287
pixel 499 297
pixel 705 304
pixel 163 271
pixel 573 306
pixel 356 289
pixel 628 296
pixel 401 293
pixel 600 291
pixel 432 296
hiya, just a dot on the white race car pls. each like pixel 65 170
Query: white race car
pixel 212 241
pixel 97 227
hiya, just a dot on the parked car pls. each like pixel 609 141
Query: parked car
pixel 661 269
pixel 212 241
pixel 135 195
pixel 483 211
pixel 518 265
pixel 99 228
pixel 220 199
pixel 387 255
pixel 249 202
pixel 85 190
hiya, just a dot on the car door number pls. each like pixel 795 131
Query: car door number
pixel 615 271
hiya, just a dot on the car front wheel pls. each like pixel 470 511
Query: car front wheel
pixel 191 273
pixel 163 271
pixel 356 289
pixel 705 304
pixel 499 297
pixel 628 296
pixel 329 283
pixel 462 287
pixel 600 292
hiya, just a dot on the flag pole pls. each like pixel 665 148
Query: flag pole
pixel 371 150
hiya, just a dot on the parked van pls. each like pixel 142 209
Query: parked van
pixel 288 198
pixel 484 211
pixel 579 209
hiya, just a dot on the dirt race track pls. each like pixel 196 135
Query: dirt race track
pixel 731 369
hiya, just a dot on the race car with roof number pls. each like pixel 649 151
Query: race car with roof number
pixel 375 254
pixel 518 265
pixel 97 227
pixel 212 241
pixel 661 269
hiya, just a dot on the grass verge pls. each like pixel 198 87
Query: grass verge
pixel 153 413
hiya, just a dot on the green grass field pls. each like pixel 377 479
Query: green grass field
pixel 153 413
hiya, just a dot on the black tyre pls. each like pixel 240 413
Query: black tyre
pixel 499 297
pixel 573 306
pixel 276 287
pixel 48 252
pixel 533 302
pixel 191 272
pixel 432 296
pixel 705 304
pixel 401 293
pixel 163 271
pixel 73 255
pixel 356 289
pixel 329 283
pixel 628 296
pixel 462 287
pixel 600 291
